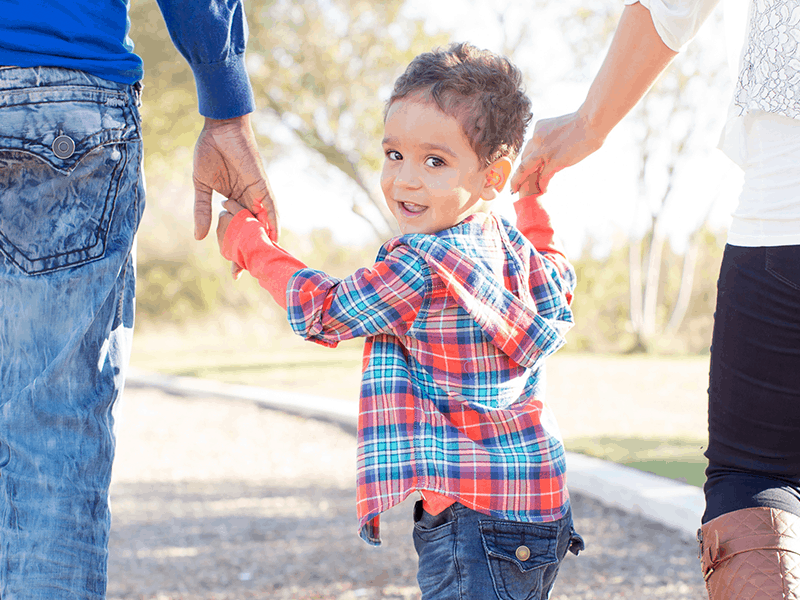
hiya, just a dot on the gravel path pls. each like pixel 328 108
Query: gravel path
pixel 225 500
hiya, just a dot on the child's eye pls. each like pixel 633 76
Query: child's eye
pixel 393 155
pixel 434 161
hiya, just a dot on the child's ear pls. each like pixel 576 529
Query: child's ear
pixel 496 177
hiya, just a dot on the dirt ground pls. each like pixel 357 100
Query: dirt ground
pixel 223 500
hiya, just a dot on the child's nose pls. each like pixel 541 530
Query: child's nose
pixel 407 176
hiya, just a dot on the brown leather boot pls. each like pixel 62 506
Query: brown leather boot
pixel 753 553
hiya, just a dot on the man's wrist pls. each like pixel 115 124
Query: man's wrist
pixel 240 122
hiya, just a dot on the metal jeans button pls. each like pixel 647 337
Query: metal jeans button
pixel 63 146
pixel 523 553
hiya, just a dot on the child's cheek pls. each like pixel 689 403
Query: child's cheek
pixel 443 181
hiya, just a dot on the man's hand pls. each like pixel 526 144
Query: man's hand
pixel 226 159
pixel 556 144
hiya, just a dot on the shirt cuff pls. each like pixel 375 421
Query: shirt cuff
pixel 223 89
pixel 247 244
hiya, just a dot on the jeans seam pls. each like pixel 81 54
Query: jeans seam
pixel 456 560
pixel 783 279
pixel 768 267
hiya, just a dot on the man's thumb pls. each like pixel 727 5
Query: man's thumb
pixel 202 210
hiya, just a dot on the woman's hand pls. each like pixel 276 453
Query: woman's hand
pixel 635 59
pixel 557 143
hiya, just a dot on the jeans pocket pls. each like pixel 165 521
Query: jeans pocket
pixel 430 528
pixel 435 542
pixel 523 557
pixel 783 263
pixel 63 151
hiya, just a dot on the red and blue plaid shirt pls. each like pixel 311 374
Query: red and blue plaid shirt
pixel 457 325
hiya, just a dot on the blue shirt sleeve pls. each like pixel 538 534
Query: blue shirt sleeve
pixel 212 35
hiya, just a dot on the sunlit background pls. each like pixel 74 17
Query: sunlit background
pixel 650 207
pixel 643 220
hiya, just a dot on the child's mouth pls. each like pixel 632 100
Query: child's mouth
pixel 412 208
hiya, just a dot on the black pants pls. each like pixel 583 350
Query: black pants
pixel 754 392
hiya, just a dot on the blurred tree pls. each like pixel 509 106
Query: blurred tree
pixel 170 121
pixel 678 122
pixel 324 68
pixel 320 69
pixel 602 298
pixel 600 306
pixel 675 124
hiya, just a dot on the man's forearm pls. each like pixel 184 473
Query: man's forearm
pixel 635 59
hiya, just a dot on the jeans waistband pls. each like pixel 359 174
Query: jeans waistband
pixel 17 78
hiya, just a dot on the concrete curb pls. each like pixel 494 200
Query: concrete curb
pixel 672 503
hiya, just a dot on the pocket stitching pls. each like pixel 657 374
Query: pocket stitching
pixel 82 255
pixel 769 262
pixel 496 560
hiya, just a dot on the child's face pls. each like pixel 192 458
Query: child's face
pixel 432 178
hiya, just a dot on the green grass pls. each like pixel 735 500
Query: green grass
pixel 248 354
pixel 679 459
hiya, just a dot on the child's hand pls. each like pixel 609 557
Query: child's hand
pixel 225 217
pixel 530 186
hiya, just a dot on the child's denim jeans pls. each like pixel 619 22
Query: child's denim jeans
pixel 71 197
pixel 466 555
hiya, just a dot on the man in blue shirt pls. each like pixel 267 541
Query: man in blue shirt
pixel 71 198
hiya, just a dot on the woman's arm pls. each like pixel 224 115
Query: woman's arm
pixel 635 59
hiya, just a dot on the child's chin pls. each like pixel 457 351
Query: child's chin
pixel 407 230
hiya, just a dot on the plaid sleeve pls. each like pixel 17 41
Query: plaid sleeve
pixel 562 274
pixel 383 299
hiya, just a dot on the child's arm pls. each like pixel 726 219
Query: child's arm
pixel 533 220
pixel 535 224
pixel 383 299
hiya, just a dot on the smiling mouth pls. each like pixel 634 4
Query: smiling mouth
pixel 410 207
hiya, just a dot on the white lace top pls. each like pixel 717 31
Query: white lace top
pixel 762 134
pixel 769 75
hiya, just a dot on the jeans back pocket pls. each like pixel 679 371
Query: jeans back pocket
pixel 783 263
pixel 63 150
pixel 523 557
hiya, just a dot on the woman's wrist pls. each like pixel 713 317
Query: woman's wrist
pixel 593 124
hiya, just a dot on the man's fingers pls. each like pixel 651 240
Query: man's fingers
pixel 269 218
pixel 265 210
pixel 202 210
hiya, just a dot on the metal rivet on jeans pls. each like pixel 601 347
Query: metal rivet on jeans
pixel 523 553
pixel 63 146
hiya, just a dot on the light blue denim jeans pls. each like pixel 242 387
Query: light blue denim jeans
pixel 71 198
pixel 466 555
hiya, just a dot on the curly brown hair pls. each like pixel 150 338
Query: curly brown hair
pixel 480 89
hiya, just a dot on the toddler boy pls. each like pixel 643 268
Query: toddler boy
pixel 459 313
